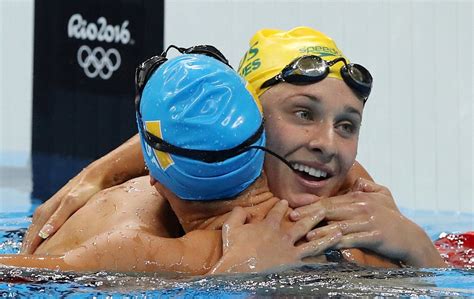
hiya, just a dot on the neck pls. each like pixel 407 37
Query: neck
pixel 257 200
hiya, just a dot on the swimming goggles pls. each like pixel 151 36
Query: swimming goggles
pixel 144 72
pixel 311 69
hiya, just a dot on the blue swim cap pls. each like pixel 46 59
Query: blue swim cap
pixel 196 102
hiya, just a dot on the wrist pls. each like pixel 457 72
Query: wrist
pixel 95 174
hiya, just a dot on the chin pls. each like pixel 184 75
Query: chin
pixel 299 199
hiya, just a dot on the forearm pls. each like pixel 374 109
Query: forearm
pixel 120 165
pixel 423 253
pixel 194 254
pixel 36 261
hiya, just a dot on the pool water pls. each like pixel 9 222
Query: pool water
pixel 309 280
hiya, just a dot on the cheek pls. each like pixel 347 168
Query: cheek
pixel 348 153
pixel 274 130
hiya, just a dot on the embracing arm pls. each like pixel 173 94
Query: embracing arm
pixel 369 219
pixel 121 164
pixel 132 251
pixel 259 246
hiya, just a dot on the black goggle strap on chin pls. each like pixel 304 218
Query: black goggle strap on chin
pixel 271 153
pixel 210 156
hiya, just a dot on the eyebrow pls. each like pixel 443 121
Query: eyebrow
pixel 347 108
pixel 352 110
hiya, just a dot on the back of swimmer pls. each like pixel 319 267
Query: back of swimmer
pixel 197 119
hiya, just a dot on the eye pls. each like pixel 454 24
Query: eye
pixel 304 114
pixel 347 128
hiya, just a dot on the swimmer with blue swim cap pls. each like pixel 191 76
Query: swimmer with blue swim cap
pixel 201 125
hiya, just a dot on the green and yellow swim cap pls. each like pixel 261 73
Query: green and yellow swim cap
pixel 271 50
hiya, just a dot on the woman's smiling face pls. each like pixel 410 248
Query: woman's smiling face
pixel 316 128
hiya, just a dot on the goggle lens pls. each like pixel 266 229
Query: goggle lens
pixel 312 66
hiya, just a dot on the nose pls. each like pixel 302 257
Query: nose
pixel 323 141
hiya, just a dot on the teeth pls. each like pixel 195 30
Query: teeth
pixel 311 171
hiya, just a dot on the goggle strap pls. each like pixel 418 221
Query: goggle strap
pixel 201 155
pixel 271 153
pixel 270 82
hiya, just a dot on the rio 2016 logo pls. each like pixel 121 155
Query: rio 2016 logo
pixel 98 61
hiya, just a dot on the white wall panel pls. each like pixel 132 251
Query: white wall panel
pixel 16 67
pixel 464 59
pixel 424 95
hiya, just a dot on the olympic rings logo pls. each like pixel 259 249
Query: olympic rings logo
pixel 98 62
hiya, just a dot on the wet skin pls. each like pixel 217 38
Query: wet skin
pixel 131 228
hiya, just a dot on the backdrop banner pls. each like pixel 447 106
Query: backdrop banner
pixel 85 55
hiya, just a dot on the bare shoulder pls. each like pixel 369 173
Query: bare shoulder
pixel 132 205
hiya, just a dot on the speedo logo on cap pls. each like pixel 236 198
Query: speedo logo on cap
pixel 320 50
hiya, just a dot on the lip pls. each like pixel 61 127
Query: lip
pixel 310 184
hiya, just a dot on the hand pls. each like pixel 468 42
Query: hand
pixel 52 214
pixel 368 218
pixel 258 246
pixel 116 167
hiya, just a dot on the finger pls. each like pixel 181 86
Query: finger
pixel 319 246
pixel 341 212
pixel 277 213
pixel 329 204
pixel 303 226
pixel 345 227
pixel 31 240
pixel 236 218
pixel 68 206
pixel 365 185
pixel 383 193
pixel 306 211
pixel 368 240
